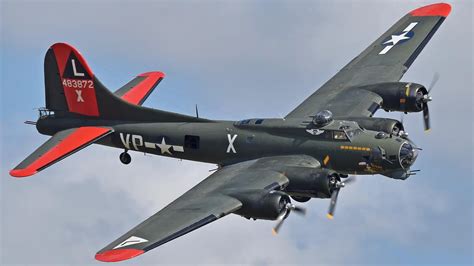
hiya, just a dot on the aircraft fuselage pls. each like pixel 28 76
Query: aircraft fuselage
pixel 227 142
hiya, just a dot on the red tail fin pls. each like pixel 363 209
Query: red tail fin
pixel 76 79
pixel 72 87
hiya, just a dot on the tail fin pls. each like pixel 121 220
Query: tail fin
pixel 69 82
pixel 72 88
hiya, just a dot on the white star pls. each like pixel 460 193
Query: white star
pixel 165 148
pixel 396 38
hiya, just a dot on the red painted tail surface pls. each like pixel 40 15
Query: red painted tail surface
pixel 73 89
pixel 58 147
pixel 77 80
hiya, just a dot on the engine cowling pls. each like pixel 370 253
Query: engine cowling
pixel 310 182
pixel 400 96
pixel 387 125
pixel 261 204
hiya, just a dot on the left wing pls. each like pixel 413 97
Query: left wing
pixel 206 202
pixel 138 89
pixel 385 60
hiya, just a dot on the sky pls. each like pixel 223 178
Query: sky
pixel 236 60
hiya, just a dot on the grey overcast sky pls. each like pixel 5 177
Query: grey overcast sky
pixel 235 59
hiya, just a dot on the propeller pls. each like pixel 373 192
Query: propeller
pixel 426 117
pixel 433 81
pixel 401 132
pixel 337 185
pixel 289 207
pixel 427 98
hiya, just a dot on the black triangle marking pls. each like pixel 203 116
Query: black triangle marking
pixel 79 72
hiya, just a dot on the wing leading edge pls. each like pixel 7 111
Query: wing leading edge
pixel 385 60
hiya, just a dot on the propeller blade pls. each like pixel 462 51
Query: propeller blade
pixel 349 180
pixel 433 81
pixel 278 225
pixel 289 208
pixel 426 117
pixel 332 205
pixel 299 210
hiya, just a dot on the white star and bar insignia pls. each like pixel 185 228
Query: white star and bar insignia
pixel 165 148
pixel 399 38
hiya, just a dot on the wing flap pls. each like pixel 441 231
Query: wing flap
pixel 58 147
pixel 138 89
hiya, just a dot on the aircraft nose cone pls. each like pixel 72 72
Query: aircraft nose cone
pixel 408 154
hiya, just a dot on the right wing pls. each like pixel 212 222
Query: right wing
pixel 208 201
pixel 385 60
pixel 58 147
pixel 138 89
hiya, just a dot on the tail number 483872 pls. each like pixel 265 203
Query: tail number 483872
pixel 78 84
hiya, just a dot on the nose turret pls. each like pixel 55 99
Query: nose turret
pixel 399 154
pixel 408 154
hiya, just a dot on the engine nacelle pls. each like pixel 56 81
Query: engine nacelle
pixel 387 125
pixel 261 204
pixel 310 182
pixel 400 96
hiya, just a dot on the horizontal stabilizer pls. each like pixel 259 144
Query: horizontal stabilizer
pixel 58 147
pixel 138 89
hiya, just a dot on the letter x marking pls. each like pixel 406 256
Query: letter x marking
pixel 79 96
pixel 231 140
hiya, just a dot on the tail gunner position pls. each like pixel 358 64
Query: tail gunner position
pixel 263 163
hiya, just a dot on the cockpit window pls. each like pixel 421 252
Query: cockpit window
pixel 339 135
pixel 353 133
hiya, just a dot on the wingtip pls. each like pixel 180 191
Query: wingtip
pixel 19 173
pixel 433 10
pixel 118 254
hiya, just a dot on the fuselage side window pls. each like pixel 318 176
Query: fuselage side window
pixel 191 142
